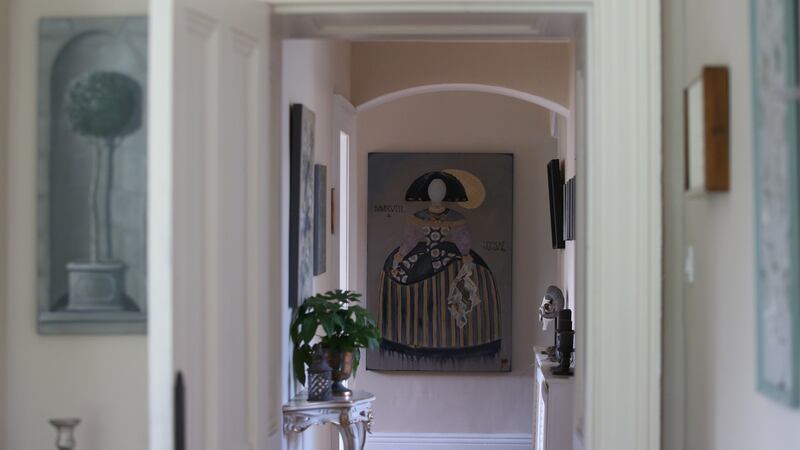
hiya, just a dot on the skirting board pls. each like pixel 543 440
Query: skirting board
pixel 448 441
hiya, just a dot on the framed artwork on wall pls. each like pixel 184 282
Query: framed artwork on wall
pixel 320 218
pixel 707 119
pixel 92 175
pixel 777 208
pixel 301 203
pixel 439 260
pixel 569 210
pixel 555 187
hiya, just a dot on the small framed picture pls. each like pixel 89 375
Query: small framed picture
pixel 706 107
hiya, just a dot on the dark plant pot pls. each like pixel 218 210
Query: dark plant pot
pixel 342 365
pixel 319 378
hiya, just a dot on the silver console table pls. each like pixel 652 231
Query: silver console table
pixel 352 416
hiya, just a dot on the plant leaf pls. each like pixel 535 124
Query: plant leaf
pixel 309 328
pixel 299 361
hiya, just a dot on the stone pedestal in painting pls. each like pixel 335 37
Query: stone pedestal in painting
pixel 96 286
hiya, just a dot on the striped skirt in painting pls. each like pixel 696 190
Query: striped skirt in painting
pixel 415 321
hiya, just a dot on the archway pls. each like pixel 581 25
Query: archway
pixel 465 87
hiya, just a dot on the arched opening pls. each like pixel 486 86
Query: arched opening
pixel 465 87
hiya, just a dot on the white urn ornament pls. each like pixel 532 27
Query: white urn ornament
pixel 65 432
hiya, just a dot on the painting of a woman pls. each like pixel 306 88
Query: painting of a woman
pixel 438 298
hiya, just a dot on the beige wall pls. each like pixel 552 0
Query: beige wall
pixel 313 71
pixel 538 68
pixel 710 387
pixel 469 122
pixel 101 379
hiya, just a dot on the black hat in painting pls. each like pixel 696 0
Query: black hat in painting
pixel 418 191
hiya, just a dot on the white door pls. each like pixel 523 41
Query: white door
pixel 344 214
pixel 209 209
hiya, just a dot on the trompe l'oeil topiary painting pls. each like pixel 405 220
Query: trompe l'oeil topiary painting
pixel 93 176
pixel 103 107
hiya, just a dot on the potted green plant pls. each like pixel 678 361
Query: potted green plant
pixel 333 323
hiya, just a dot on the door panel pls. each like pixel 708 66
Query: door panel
pixel 209 217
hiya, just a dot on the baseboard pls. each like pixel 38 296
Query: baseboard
pixel 448 441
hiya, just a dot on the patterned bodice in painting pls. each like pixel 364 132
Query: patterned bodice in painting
pixel 441 255
pixel 430 243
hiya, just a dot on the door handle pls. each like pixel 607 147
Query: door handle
pixel 180 412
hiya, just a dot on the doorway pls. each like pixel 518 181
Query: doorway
pixel 620 206
pixel 343 216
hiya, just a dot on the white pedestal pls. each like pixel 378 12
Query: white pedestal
pixel 554 399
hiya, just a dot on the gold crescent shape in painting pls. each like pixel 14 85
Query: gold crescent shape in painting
pixel 476 192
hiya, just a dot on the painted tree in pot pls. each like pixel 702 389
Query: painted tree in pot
pixel 103 108
pixel 333 323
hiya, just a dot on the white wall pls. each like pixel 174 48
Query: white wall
pixel 488 403
pixel 313 71
pixel 715 399
pixel 101 379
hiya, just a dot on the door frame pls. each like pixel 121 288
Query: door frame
pixel 620 259
pixel 343 120
pixel 619 268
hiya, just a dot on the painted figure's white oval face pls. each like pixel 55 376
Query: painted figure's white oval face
pixel 437 190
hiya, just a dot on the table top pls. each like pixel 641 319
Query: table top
pixel 301 402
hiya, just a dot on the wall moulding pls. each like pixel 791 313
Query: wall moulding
pixel 448 441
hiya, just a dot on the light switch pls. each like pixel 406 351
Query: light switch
pixel 689 265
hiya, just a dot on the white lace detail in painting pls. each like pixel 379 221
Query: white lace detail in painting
pixel 463 296
pixel 774 193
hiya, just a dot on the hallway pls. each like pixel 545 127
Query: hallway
pixel 473 169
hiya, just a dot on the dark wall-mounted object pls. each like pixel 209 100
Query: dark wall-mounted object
pixel 707 133
pixel 569 210
pixel 320 218
pixel 555 184
pixel 180 412
pixel 565 343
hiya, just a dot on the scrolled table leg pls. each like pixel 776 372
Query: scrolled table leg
pixel 353 436
pixel 354 433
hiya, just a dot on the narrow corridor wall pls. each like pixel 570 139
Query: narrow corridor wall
pixel 313 71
